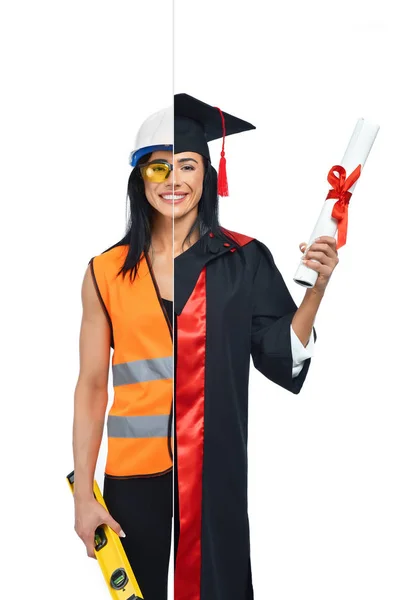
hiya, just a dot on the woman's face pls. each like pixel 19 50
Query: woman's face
pixel 157 194
pixel 181 191
pixel 188 182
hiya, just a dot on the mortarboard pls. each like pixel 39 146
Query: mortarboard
pixel 196 123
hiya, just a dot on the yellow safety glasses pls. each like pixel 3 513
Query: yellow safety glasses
pixel 156 170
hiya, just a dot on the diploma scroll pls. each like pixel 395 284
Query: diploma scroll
pixel 356 154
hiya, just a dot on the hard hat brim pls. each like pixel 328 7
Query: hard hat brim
pixel 137 154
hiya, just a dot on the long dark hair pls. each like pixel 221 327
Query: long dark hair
pixel 139 226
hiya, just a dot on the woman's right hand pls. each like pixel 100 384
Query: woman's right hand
pixel 89 514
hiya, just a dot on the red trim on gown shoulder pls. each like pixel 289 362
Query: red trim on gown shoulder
pixel 241 238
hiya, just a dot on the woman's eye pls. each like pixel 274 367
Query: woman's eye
pixel 188 168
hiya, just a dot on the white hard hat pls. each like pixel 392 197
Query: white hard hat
pixel 156 133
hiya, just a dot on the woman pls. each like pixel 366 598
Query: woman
pixel 230 303
pixel 127 305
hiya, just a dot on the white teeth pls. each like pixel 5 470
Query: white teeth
pixel 173 196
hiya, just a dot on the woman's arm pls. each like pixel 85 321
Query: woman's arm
pixel 275 314
pixel 90 405
pixel 90 400
pixel 304 317
pixel 325 259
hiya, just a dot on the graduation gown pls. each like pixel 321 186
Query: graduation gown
pixel 228 308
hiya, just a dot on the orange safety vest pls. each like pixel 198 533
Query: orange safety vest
pixel 139 423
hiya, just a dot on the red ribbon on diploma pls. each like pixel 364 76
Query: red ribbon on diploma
pixel 340 190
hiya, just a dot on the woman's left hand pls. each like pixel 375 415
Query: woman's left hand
pixel 324 251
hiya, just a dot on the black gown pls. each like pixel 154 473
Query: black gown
pixel 143 508
pixel 231 305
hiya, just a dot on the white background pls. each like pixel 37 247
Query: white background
pixel 324 491
pixel 78 79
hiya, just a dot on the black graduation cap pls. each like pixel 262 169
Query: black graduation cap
pixel 196 123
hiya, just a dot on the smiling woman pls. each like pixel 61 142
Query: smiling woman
pixel 127 306
pixel 231 304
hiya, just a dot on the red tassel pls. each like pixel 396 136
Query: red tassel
pixel 222 176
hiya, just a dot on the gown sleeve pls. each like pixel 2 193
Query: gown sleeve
pixel 273 309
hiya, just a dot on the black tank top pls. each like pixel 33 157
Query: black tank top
pixel 169 306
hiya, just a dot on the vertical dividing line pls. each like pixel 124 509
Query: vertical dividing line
pixel 173 298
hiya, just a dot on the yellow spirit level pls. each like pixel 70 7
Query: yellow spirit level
pixel 111 556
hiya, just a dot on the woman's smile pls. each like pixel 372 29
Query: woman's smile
pixel 175 198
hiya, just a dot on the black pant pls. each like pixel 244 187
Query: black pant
pixel 143 508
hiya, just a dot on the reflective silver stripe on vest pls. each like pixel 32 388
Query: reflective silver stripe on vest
pixel 137 427
pixel 142 370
